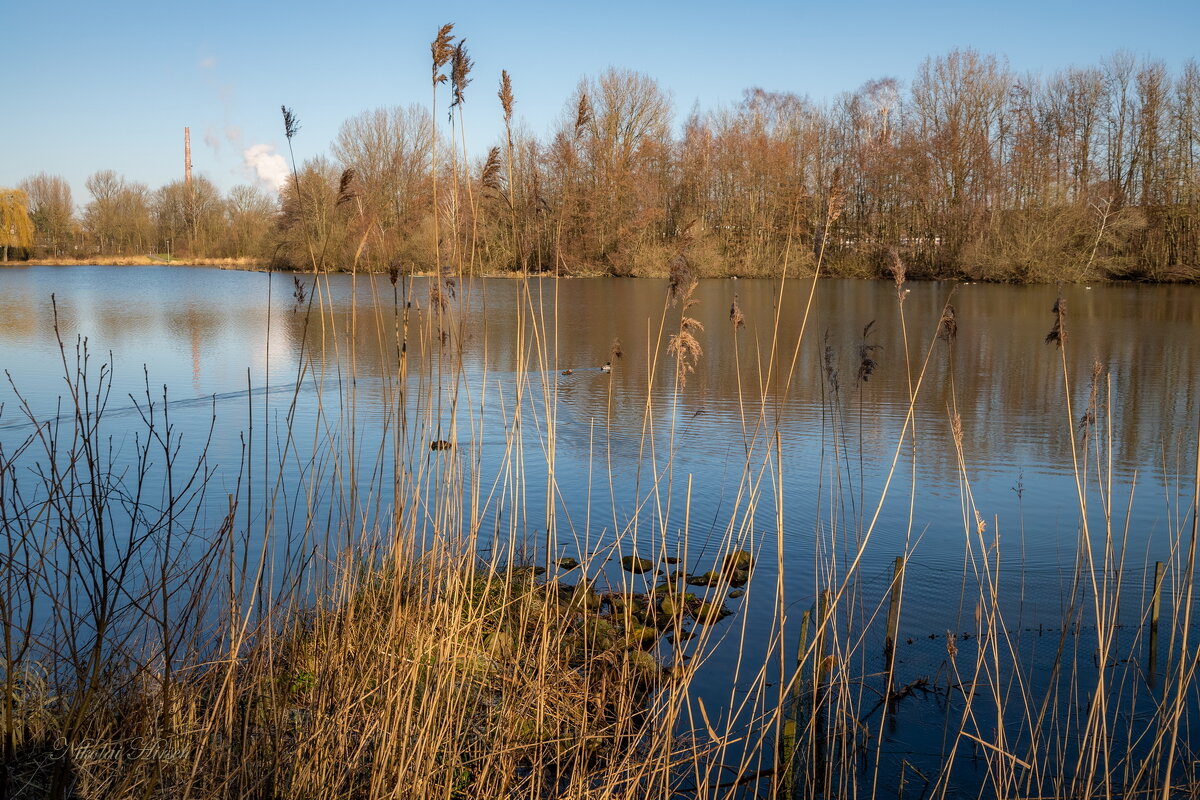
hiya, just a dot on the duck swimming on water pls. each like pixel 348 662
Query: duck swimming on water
pixel 607 367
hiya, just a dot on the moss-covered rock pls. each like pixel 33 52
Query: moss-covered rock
pixel 707 579
pixel 582 600
pixel 636 565
pixel 643 665
pixel 708 613
pixel 641 635
pixel 737 560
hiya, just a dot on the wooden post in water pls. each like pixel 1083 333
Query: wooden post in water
pixel 805 622
pixel 893 617
pixel 785 770
pixel 1155 607
pixel 818 756
pixel 823 612
pixel 893 622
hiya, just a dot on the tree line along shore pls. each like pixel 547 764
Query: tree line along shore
pixel 970 171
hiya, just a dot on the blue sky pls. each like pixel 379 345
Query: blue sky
pixel 111 86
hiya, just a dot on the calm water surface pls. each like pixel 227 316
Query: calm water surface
pixel 237 347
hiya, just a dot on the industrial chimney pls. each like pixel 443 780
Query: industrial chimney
pixel 187 157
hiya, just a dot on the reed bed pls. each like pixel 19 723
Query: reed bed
pixel 358 608
pixel 365 633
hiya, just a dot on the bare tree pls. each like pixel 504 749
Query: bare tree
pixel 190 217
pixel 250 215
pixel 118 217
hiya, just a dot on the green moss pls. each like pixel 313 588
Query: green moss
pixel 636 565
pixel 738 560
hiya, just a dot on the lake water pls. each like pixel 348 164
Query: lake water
pixel 772 425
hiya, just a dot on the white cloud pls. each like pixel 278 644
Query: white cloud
pixel 268 166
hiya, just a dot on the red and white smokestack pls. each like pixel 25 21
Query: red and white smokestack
pixel 187 157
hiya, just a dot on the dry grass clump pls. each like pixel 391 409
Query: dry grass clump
pixel 426 681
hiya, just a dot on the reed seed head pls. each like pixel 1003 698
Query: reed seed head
pixel 346 191
pixel 948 324
pixel 685 348
pixel 441 49
pixel 583 114
pixel 460 72
pixel 491 170
pixel 506 96
pixel 1058 334
pixel 866 362
pixel 682 278
pixel 1091 414
pixel 831 370
pixel 291 123
pixel 735 314
pixel 615 349
pixel 898 273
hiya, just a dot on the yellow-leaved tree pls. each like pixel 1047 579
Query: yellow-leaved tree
pixel 16 230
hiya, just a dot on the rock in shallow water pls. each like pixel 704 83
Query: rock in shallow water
pixel 636 565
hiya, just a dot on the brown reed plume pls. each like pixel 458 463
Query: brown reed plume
pixel 736 318
pixel 615 349
pixel 1090 414
pixel 947 329
pixel 682 279
pixel 490 177
pixel 441 50
pixel 1058 334
pixel 506 96
pixel 684 346
pixel 346 191
pixel 830 365
pixel 866 362
pixel 506 104
pixel 583 114
pixel 291 123
pixel 460 72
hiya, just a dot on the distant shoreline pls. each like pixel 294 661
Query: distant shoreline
pixel 142 261
pixel 256 265
pixel 245 264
